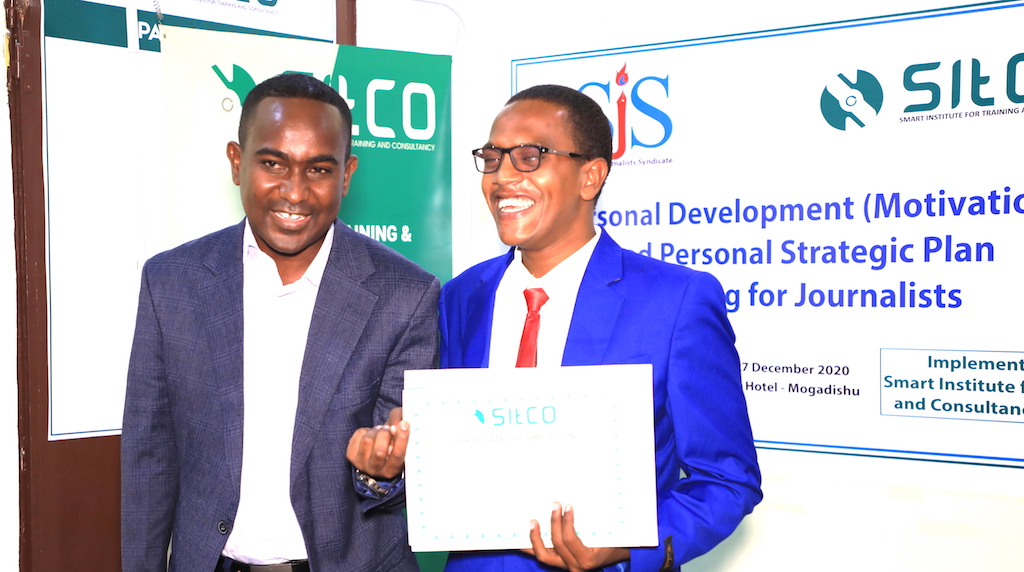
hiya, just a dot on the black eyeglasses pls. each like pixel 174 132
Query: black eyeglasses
pixel 525 158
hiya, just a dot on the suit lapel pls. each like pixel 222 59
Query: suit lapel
pixel 597 306
pixel 221 299
pixel 477 335
pixel 343 307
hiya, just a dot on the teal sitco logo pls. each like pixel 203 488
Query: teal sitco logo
pixel 845 103
pixel 534 415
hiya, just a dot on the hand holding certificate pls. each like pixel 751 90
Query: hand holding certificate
pixel 492 449
pixel 568 550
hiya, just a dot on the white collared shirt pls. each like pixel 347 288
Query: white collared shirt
pixel 276 318
pixel 561 284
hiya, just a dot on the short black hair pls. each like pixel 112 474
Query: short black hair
pixel 296 85
pixel 591 131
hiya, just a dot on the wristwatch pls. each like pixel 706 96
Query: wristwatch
pixel 379 488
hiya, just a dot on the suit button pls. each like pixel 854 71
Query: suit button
pixel 222 527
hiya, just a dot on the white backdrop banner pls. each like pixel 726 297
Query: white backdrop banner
pixel 856 187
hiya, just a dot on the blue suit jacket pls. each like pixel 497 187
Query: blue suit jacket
pixel 632 309
pixel 181 446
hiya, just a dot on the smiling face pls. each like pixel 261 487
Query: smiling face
pixel 292 173
pixel 547 213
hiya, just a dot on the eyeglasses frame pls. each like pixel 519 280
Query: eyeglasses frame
pixel 508 150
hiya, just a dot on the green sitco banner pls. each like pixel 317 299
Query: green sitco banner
pixel 401 107
pixel 402 191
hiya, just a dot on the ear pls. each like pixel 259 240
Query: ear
pixel 595 171
pixel 350 167
pixel 235 159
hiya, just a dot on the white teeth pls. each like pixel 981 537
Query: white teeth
pixel 514 204
pixel 290 216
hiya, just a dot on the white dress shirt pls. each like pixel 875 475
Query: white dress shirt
pixel 276 317
pixel 561 284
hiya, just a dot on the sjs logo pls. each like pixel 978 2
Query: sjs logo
pixel 845 102
pixel 634 110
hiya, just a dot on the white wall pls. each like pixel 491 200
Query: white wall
pixel 8 346
pixel 820 511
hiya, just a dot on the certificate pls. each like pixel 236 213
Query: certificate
pixel 492 449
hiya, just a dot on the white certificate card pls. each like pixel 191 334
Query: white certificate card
pixel 492 449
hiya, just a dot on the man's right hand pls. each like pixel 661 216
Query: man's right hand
pixel 380 451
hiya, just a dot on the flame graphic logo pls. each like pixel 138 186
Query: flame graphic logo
pixel 621 78
pixel 638 104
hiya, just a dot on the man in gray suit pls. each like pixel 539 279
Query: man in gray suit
pixel 259 351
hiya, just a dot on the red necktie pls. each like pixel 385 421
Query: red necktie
pixel 535 298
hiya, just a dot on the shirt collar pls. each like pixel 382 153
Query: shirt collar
pixel 569 270
pixel 314 274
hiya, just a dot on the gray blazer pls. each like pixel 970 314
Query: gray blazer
pixel 181 444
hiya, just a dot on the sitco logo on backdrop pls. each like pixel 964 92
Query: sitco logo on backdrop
pixel 949 90
pixel 417 117
pixel 636 110
pixel 858 102
pixel 932 77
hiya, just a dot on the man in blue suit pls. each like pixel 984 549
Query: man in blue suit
pixel 543 167
pixel 259 351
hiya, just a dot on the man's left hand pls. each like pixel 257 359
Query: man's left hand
pixel 569 552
